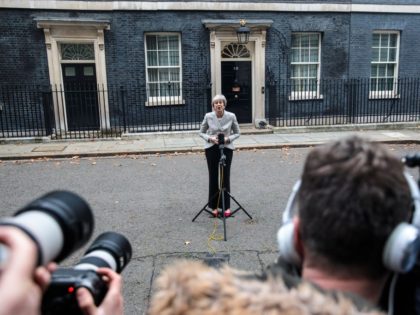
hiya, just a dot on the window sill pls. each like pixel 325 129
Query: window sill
pixel 165 102
pixel 383 95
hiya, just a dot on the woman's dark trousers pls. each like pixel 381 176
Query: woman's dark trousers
pixel 213 158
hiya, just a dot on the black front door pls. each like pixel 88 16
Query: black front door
pixel 237 87
pixel 80 90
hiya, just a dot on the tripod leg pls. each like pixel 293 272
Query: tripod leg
pixel 240 207
pixel 205 207
pixel 196 216
pixel 223 213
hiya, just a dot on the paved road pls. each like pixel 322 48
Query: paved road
pixel 152 200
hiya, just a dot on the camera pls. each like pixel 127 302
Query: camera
pixel 110 250
pixel 59 223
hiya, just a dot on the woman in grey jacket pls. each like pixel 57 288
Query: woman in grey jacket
pixel 219 121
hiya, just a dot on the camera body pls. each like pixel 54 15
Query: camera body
pixel 111 250
pixel 60 297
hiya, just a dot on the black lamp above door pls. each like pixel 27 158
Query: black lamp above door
pixel 243 32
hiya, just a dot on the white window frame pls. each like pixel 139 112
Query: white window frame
pixel 306 95
pixel 163 100
pixel 381 94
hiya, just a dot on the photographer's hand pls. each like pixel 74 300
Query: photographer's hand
pixel 113 301
pixel 21 285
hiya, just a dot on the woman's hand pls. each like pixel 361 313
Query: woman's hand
pixel 213 140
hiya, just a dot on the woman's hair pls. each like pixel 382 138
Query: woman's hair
pixel 219 97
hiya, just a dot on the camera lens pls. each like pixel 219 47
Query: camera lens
pixel 59 223
pixel 110 250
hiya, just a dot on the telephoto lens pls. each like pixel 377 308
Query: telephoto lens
pixel 59 223
pixel 111 250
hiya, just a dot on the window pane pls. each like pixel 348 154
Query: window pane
pixel 392 54
pixel 163 58
pixel 313 71
pixel 152 58
pixel 314 55
pixel 390 70
pixel 151 42
pixel 383 54
pixel 88 71
pixel 153 89
pixel 314 40
pixel 381 70
pixel 174 75
pixel 295 55
pixel 305 71
pixel 293 73
pixel 295 40
pixel 173 42
pixel 70 71
pixel 304 40
pixel 375 40
pixel 153 75
pixel 163 75
pixel 174 58
pixel 163 42
pixel 304 55
pixel 393 40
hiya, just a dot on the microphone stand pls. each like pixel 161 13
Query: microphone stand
pixel 222 191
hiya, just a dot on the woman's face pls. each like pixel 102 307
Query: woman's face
pixel 219 106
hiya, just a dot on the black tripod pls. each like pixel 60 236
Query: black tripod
pixel 221 192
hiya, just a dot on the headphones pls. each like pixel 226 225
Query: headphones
pixel 401 248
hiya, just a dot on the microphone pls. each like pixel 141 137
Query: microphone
pixel 221 140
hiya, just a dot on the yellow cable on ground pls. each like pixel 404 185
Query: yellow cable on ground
pixel 213 236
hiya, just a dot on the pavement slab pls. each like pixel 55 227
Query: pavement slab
pixel 166 142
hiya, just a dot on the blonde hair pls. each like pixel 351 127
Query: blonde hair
pixel 219 97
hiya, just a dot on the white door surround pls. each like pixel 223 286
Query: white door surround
pixel 80 31
pixel 224 31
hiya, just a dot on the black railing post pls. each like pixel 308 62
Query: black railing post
pixel 351 91
pixel 122 95
pixel 48 112
pixel 170 105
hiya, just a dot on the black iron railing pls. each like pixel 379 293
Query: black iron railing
pixel 83 111
pixel 110 111
pixel 337 102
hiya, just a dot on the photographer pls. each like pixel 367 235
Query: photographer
pixel 20 287
pixel 219 126
pixel 341 221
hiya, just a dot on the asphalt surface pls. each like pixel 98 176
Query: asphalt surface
pixel 151 199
